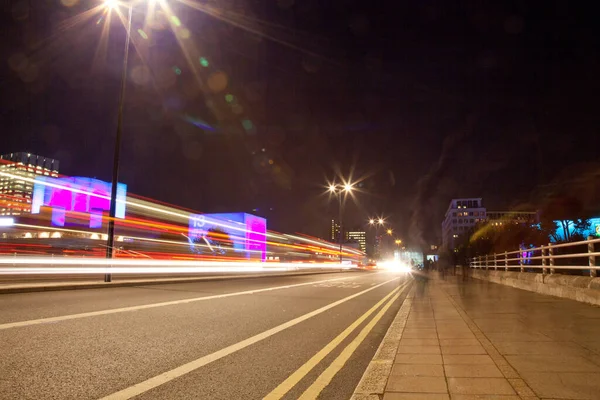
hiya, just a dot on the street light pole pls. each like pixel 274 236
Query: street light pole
pixel 117 153
pixel 339 190
pixel 341 224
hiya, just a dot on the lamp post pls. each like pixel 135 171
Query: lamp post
pixel 338 190
pixel 117 152
pixel 377 223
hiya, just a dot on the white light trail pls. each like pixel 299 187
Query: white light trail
pixel 7 221
pixel 77 265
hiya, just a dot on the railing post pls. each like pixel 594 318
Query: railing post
pixel 521 260
pixel 550 254
pixel 495 262
pixel 479 261
pixel 486 262
pixel 592 258
pixel 506 261
pixel 544 271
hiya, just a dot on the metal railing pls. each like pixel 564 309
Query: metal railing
pixel 550 258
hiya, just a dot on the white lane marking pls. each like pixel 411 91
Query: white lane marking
pixel 152 305
pixel 168 376
pixel 326 376
pixel 292 380
pixel 342 285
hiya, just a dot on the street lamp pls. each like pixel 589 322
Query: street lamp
pixel 338 190
pixel 111 4
pixel 389 231
pixel 377 223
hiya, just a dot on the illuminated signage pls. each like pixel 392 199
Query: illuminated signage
pixel 216 233
pixel 80 194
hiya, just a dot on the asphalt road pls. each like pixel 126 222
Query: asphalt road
pixel 62 278
pixel 236 339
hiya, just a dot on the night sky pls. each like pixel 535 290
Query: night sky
pixel 421 101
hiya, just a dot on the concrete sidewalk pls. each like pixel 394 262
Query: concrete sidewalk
pixel 455 339
pixel 97 284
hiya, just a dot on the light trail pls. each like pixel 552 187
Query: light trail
pixel 83 266
pixel 170 220
pixel 186 217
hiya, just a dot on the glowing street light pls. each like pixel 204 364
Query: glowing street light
pixel 110 4
pixel 389 231
pixel 377 222
pixel 338 190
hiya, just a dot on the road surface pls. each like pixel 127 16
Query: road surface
pixel 236 339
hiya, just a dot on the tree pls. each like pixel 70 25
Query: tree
pixel 580 227
pixel 562 209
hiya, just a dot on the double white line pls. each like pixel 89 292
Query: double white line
pixel 319 384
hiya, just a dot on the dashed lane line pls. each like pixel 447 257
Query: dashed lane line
pixel 62 318
pixel 191 366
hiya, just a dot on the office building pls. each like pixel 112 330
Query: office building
pixel 516 217
pixel 17 172
pixel 460 217
pixel 359 237
pixel 463 214
pixel 334 232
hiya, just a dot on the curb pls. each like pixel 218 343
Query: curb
pixel 373 382
pixel 104 285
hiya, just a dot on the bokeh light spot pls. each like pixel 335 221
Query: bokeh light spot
pixel 311 64
pixel 140 75
pixel 359 25
pixel 203 62
pixel 142 34
pixel 247 124
pixel 514 25
pixel 20 10
pixel 69 3
pixel 176 21
pixel 285 3
pixel 254 91
pixel 165 78
pixel 177 70
pixel 229 98
pixel 217 81
pixel 29 74
pixel 184 33
pixel 18 62
pixel 158 21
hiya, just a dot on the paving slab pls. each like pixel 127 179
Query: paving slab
pixel 476 340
